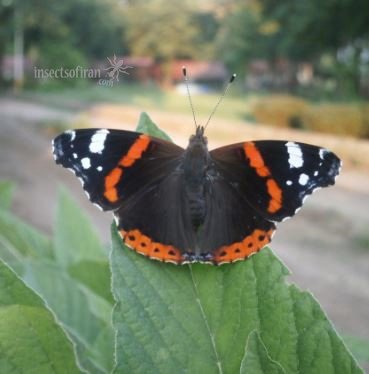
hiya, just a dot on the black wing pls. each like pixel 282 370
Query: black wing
pixel 113 165
pixel 276 176
pixel 232 230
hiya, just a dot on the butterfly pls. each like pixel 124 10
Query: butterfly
pixel 191 205
pixel 194 205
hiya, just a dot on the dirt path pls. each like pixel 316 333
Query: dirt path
pixel 324 245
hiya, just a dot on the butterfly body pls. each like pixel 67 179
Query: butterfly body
pixel 194 205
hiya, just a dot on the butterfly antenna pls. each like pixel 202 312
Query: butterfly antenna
pixel 184 71
pixel 233 77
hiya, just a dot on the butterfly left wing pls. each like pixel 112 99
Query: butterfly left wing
pixel 113 165
pixel 276 176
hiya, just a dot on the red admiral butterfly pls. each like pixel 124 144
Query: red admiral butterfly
pixel 191 205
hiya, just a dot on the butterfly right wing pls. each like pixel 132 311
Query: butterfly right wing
pixel 276 176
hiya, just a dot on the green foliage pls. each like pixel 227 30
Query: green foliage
pixel 72 275
pixel 161 29
pixel 240 39
pixel 147 126
pixel 256 359
pixel 56 55
pixel 31 339
pixel 237 317
pixel 360 347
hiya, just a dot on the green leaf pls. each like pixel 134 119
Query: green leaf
pixel 197 318
pixel 76 288
pixel 95 275
pixel 6 194
pixel 83 314
pixel 147 126
pixel 19 239
pixel 30 338
pixel 359 347
pixel 257 359
pixel 74 238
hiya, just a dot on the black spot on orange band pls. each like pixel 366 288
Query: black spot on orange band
pixel 243 249
pixel 142 244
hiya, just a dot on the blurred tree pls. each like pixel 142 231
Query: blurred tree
pixel 162 29
pixel 311 29
pixel 67 33
pixel 6 33
pixel 245 35
pixel 298 31
pixel 238 40
pixel 208 25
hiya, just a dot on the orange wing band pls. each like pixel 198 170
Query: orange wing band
pixel 147 247
pixel 257 163
pixel 134 153
pixel 241 250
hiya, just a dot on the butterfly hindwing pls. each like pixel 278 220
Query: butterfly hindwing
pixel 276 176
pixel 232 229
pixel 114 164
pixel 156 221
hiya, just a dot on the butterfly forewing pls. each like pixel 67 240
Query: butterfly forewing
pixel 276 176
pixel 114 164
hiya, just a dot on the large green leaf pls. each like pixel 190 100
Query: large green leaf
pixel 198 318
pixel 257 360
pixel 74 238
pixel 31 341
pixel 21 240
pixel 75 286
pixel 83 287
pixel 203 319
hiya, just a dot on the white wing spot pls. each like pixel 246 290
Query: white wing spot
pixel 75 155
pixel 98 141
pixel 86 163
pixel 303 179
pixel 316 172
pixel 322 152
pixel 99 168
pixel 72 134
pixel 295 158
pixel 289 183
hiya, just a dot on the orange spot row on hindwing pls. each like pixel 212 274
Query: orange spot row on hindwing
pixel 257 162
pixel 134 153
pixel 144 245
pixel 241 250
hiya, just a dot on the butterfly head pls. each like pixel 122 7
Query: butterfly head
pixel 199 140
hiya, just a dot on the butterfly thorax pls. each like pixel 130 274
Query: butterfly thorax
pixel 195 165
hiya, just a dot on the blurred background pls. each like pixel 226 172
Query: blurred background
pixel 302 74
